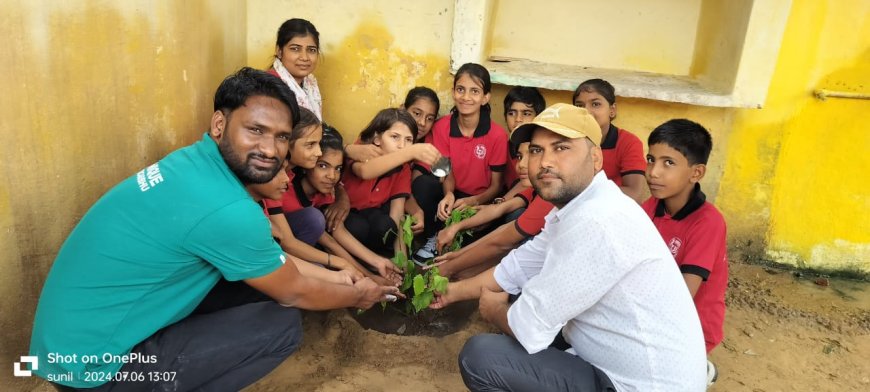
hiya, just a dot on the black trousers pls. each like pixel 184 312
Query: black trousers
pixel 499 363
pixel 235 337
pixel 428 192
pixel 374 228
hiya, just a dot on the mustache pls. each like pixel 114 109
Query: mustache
pixel 262 157
pixel 547 171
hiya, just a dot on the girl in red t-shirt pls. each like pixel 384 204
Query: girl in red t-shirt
pixel 624 161
pixel 377 187
pixel 315 188
pixel 274 190
pixel 477 148
pixel 423 104
pixel 299 230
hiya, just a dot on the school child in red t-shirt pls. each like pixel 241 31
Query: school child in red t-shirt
pixel 489 250
pixel 521 105
pixel 300 229
pixel 316 188
pixel 622 150
pixel 377 188
pixel 693 228
pixel 274 190
pixel 491 212
pixel 477 148
pixel 312 190
pixel 423 104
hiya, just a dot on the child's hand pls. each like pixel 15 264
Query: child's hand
pixel 337 211
pixel 443 262
pixel 426 153
pixel 389 271
pixel 418 225
pixel 445 206
pixel 343 277
pixel 352 272
pixel 445 237
pixel 470 201
pixel 381 281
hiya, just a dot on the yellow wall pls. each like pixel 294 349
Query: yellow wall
pixel 796 170
pixel 373 52
pixel 773 171
pixel 92 92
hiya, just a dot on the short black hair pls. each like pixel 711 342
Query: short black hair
pixel 527 95
pixel 599 86
pixel 235 90
pixel 686 136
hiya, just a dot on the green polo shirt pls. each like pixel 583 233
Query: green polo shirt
pixel 143 257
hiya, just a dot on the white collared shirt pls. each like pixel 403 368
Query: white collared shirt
pixel 600 272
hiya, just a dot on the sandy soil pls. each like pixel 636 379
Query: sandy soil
pixel 784 332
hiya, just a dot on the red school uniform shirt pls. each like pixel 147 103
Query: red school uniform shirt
pixel 377 191
pixel 531 221
pixel 295 198
pixel 511 177
pixel 473 158
pixel 696 237
pixel 623 154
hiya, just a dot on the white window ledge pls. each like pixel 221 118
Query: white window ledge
pixel 738 45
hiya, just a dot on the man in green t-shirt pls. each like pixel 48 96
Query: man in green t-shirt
pixel 133 301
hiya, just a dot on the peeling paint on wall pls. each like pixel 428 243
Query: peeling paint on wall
pixel 92 93
pixel 375 74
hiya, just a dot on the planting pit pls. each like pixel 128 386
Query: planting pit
pixel 397 319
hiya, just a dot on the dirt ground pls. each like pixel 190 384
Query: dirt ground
pixel 783 332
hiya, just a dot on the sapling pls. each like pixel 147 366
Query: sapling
pixel 421 285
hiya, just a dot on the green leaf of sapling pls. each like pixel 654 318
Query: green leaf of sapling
pixel 439 283
pixel 419 285
pixel 423 300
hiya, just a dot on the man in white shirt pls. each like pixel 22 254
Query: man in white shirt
pixel 598 273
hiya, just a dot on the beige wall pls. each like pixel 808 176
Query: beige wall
pixel 92 92
pixel 635 35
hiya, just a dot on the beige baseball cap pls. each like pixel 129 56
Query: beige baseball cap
pixel 564 119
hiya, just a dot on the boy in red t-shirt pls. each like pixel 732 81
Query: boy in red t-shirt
pixel 692 228
pixel 521 105
pixel 489 250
